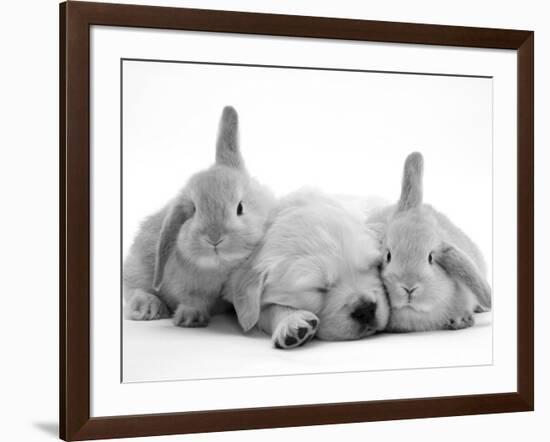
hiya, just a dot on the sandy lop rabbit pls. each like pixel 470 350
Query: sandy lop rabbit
pixel 183 254
pixel 433 272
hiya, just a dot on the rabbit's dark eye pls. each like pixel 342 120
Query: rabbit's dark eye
pixel 240 209
pixel 430 258
pixel 388 256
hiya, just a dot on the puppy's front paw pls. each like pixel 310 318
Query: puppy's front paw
pixel 186 316
pixel 295 330
pixel 460 322
pixel 145 306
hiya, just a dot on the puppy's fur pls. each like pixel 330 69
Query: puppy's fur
pixel 314 273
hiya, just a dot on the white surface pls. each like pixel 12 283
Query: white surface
pixel 156 350
pixel 110 397
pixel 28 376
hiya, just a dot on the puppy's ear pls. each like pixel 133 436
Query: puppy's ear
pixel 247 286
pixel 227 146
pixel 177 215
pixel 461 268
pixel 411 184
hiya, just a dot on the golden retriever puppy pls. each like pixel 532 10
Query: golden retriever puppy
pixel 314 274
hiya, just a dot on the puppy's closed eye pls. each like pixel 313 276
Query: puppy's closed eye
pixel 322 290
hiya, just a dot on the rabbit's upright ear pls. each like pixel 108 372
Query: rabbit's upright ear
pixel 177 214
pixel 227 146
pixel 247 286
pixel 460 267
pixel 411 185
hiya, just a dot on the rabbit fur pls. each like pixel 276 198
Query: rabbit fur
pixel 183 254
pixel 433 272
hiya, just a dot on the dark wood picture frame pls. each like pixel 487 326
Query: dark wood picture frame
pixel 75 21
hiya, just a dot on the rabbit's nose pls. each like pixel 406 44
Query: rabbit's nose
pixel 214 240
pixel 408 290
pixel 365 312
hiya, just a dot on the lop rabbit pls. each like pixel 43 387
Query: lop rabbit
pixel 183 254
pixel 433 272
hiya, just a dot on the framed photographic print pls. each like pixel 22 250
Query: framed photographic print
pixel 275 220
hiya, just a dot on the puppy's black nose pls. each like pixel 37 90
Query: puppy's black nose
pixel 365 312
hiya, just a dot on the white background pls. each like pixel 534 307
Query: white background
pixel 29 141
pixel 342 132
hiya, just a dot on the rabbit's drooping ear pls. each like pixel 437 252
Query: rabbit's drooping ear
pixel 177 214
pixel 460 267
pixel 227 146
pixel 411 185
pixel 247 288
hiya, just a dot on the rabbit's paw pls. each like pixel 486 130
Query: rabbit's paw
pixel 295 330
pixel 186 316
pixel 459 322
pixel 145 306
pixel 480 309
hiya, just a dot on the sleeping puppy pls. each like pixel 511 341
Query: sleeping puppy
pixel 314 274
